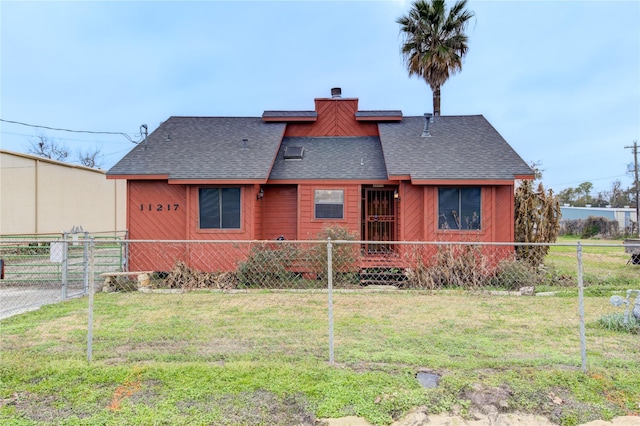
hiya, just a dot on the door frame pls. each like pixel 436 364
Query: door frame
pixel 379 218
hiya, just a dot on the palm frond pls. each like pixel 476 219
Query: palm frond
pixel 434 42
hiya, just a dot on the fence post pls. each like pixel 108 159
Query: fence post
pixel 583 338
pixel 85 263
pixel 330 292
pixel 125 259
pixel 65 264
pixel 91 274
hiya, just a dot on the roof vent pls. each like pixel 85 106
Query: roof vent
pixel 245 145
pixel 425 131
pixel 336 92
pixel 293 153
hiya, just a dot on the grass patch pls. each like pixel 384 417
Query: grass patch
pixel 262 358
pixel 616 322
pixel 605 263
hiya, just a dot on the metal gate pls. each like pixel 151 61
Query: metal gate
pixel 379 218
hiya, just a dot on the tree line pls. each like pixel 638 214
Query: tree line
pixel 615 196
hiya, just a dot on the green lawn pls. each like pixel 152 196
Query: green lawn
pixel 261 357
pixel 605 263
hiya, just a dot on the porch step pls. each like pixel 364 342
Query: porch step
pixel 382 276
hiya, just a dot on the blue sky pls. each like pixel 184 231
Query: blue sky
pixel 560 80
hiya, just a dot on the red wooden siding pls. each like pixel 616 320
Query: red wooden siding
pixel 336 117
pixel 504 213
pixel 411 210
pixel 309 227
pixel 165 221
pixel 157 210
pixel 258 213
pixel 280 212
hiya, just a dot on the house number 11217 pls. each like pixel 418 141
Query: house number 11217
pixel 159 207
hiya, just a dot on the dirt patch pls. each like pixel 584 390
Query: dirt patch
pixel 257 408
pixel 40 408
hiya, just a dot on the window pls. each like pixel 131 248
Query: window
pixel 329 203
pixel 219 208
pixel 459 208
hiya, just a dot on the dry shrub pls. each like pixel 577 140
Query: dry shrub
pixel 270 264
pixel 461 266
pixel 344 257
pixel 537 220
pixel 513 274
pixel 183 277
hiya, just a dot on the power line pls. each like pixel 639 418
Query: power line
pixel 101 140
pixel 143 130
pixel 582 181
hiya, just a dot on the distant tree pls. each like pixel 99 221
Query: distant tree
pixel 601 199
pixel 584 192
pixel 579 197
pixel 631 171
pixel 616 196
pixel 89 158
pixel 567 196
pixel 45 147
pixel 434 42
pixel 48 148
pixel 537 170
pixel 537 220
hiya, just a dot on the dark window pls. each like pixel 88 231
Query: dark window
pixel 459 208
pixel 219 208
pixel 329 203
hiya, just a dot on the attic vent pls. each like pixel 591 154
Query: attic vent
pixel 293 153
pixel 427 120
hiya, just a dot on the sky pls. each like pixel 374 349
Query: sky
pixel 559 80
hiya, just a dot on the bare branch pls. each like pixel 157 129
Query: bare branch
pixel 48 148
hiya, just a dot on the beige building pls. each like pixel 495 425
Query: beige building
pixel 42 196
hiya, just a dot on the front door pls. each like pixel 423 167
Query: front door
pixel 280 212
pixel 379 218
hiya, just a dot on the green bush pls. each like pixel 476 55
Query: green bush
pixel 344 256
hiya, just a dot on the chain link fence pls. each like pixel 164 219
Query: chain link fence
pixel 49 268
pixel 346 302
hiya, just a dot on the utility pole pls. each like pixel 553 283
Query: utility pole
pixel 634 147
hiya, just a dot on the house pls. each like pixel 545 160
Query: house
pixel 288 174
pixel 43 196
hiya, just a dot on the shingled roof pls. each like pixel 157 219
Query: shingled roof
pixel 207 148
pixel 458 148
pixel 353 158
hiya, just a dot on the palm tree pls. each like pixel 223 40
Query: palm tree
pixel 434 42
